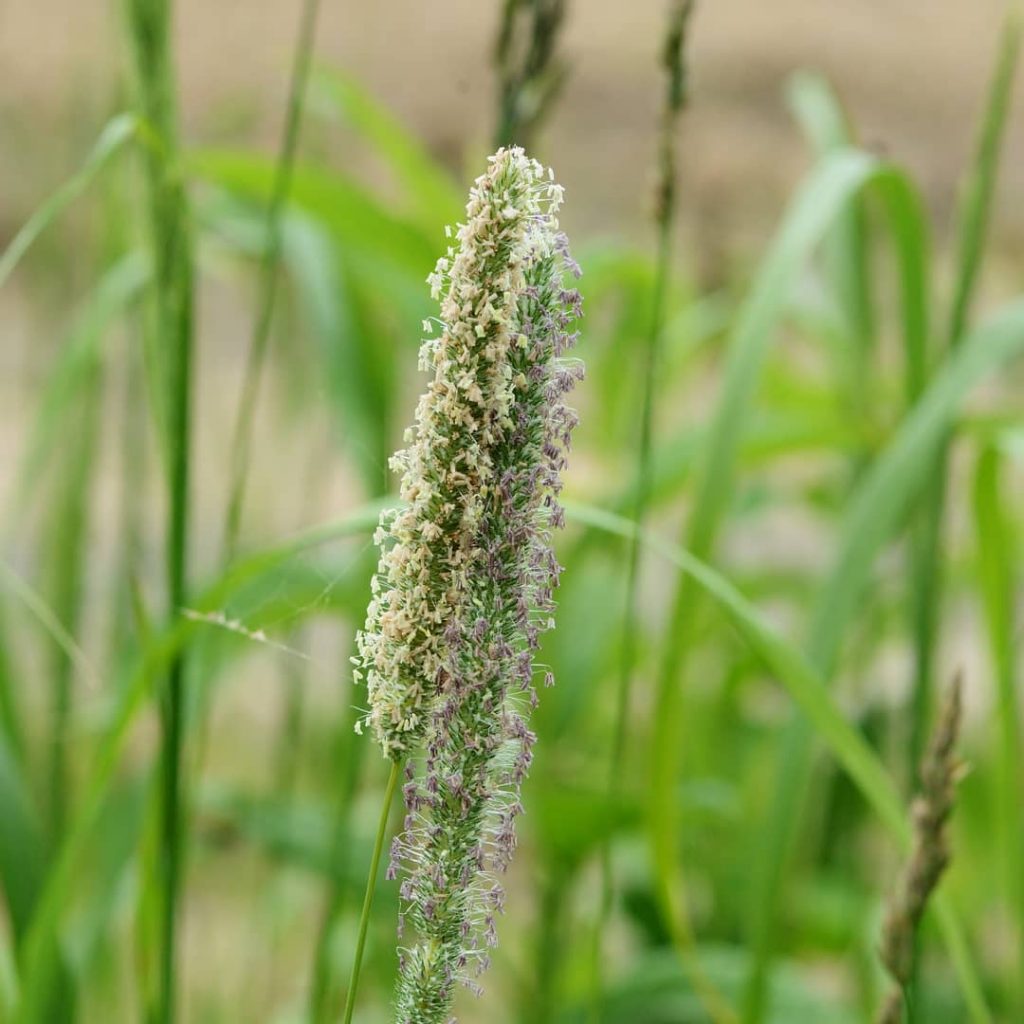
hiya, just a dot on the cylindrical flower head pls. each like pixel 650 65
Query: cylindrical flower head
pixel 466 576
pixel 463 799
pixel 491 366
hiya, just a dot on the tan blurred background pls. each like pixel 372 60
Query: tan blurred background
pixel 913 81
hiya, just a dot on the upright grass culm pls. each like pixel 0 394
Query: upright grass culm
pixel 149 23
pixel 926 562
pixel 928 859
pixel 529 75
pixel 674 65
pixel 241 444
pixel 466 576
pixel 68 542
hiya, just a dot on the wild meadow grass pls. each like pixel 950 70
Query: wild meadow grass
pixel 790 522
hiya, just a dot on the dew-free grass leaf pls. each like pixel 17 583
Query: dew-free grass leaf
pixel 432 193
pixel 877 508
pixel 360 222
pixel 121 285
pixel 40 948
pixel 114 135
pixel 809 692
pixel 836 179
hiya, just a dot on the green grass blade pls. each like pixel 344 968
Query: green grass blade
pixel 22 844
pixel 241 445
pixel 996 562
pixel 360 222
pixel 979 190
pixel 809 691
pixel 825 124
pixel 119 287
pixel 43 613
pixel 972 231
pixel 11 723
pixel 38 961
pixel 887 490
pixel 24 856
pixel 149 25
pixel 839 177
pixel 67 545
pixel 359 373
pixel 117 131
pixel 433 196
pixel 880 503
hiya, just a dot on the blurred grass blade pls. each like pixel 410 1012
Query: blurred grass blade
pixel 434 197
pixel 996 562
pixel 826 125
pixel 786 663
pixel 149 24
pixel 121 285
pixel 8 981
pixel 823 195
pixel 241 444
pixel 972 231
pixel 117 131
pixel 358 370
pixel 808 689
pixel 22 845
pixel 12 733
pixel 884 495
pixel 359 221
pixel 41 611
pixel 38 961
pixel 882 499
pixel 976 206
pixel 24 860
pixel 66 541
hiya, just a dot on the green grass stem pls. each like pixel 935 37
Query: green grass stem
pixel 241 445
pixel 674 67
pixel 371 886
pixel 149 23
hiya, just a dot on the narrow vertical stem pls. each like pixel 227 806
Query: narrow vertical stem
pixel 67 542
pixel 150 26
pixel 542 1007
pixel 241 446
pixel 371 884
pixel 672 59
pixel 323 989
pixel 927 563
pixel 529 76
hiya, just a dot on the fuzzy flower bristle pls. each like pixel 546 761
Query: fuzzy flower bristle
pixel 485 367
pixel 466 575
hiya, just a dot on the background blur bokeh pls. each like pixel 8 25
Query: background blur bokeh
pixel 283 797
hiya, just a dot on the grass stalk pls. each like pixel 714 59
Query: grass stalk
pixel 997 561
pixel 241 445
pixel 529 76
pixel 371 885
pixel 150 30
pixel 11 733
pixel 929 858
pixel 67 544
pixel 323 990
pixel 926 569
pixel 972 230
pixel 674 66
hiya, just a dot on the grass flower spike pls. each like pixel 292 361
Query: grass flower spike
pixel 931 809
pixel 477 425
pixel 465 582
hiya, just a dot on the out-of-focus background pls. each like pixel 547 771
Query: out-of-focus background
pixel 281 796
pixel 912 77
